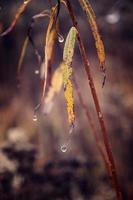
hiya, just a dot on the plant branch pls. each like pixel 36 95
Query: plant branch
pixel 97 105
pixel 92 126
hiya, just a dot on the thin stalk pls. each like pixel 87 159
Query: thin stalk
pixel 92 126
pixel 97 105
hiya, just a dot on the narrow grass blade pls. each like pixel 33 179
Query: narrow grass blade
pixel 20 10
pixel 98 41
pixel 51 36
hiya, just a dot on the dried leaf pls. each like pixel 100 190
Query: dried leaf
pixel 20 10
pixel 44 13
pixel 51 37
pixel 92 21
pixel 67 73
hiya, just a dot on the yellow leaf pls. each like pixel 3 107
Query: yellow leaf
pixel 51 36
pixel 92 21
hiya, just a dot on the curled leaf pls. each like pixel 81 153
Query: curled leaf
pixel 29 39
pixel 92 21
pixel 20 10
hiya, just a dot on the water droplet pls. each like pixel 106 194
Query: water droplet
pixel 64 148
pixel 36 72
pixel 34 118
pixel 60 38
pixel 100 115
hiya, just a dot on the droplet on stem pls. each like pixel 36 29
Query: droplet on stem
pixel 100 115
pixel 60 38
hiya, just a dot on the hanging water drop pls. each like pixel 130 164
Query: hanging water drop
pixel 34 118
pixel 64 148
pixel 60 38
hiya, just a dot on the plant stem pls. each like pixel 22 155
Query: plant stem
pixel 97 106
pixel 92 126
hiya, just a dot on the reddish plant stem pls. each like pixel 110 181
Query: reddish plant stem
pixel 97 106
pixel 92 126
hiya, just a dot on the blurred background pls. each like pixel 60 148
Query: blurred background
pixel 33 164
